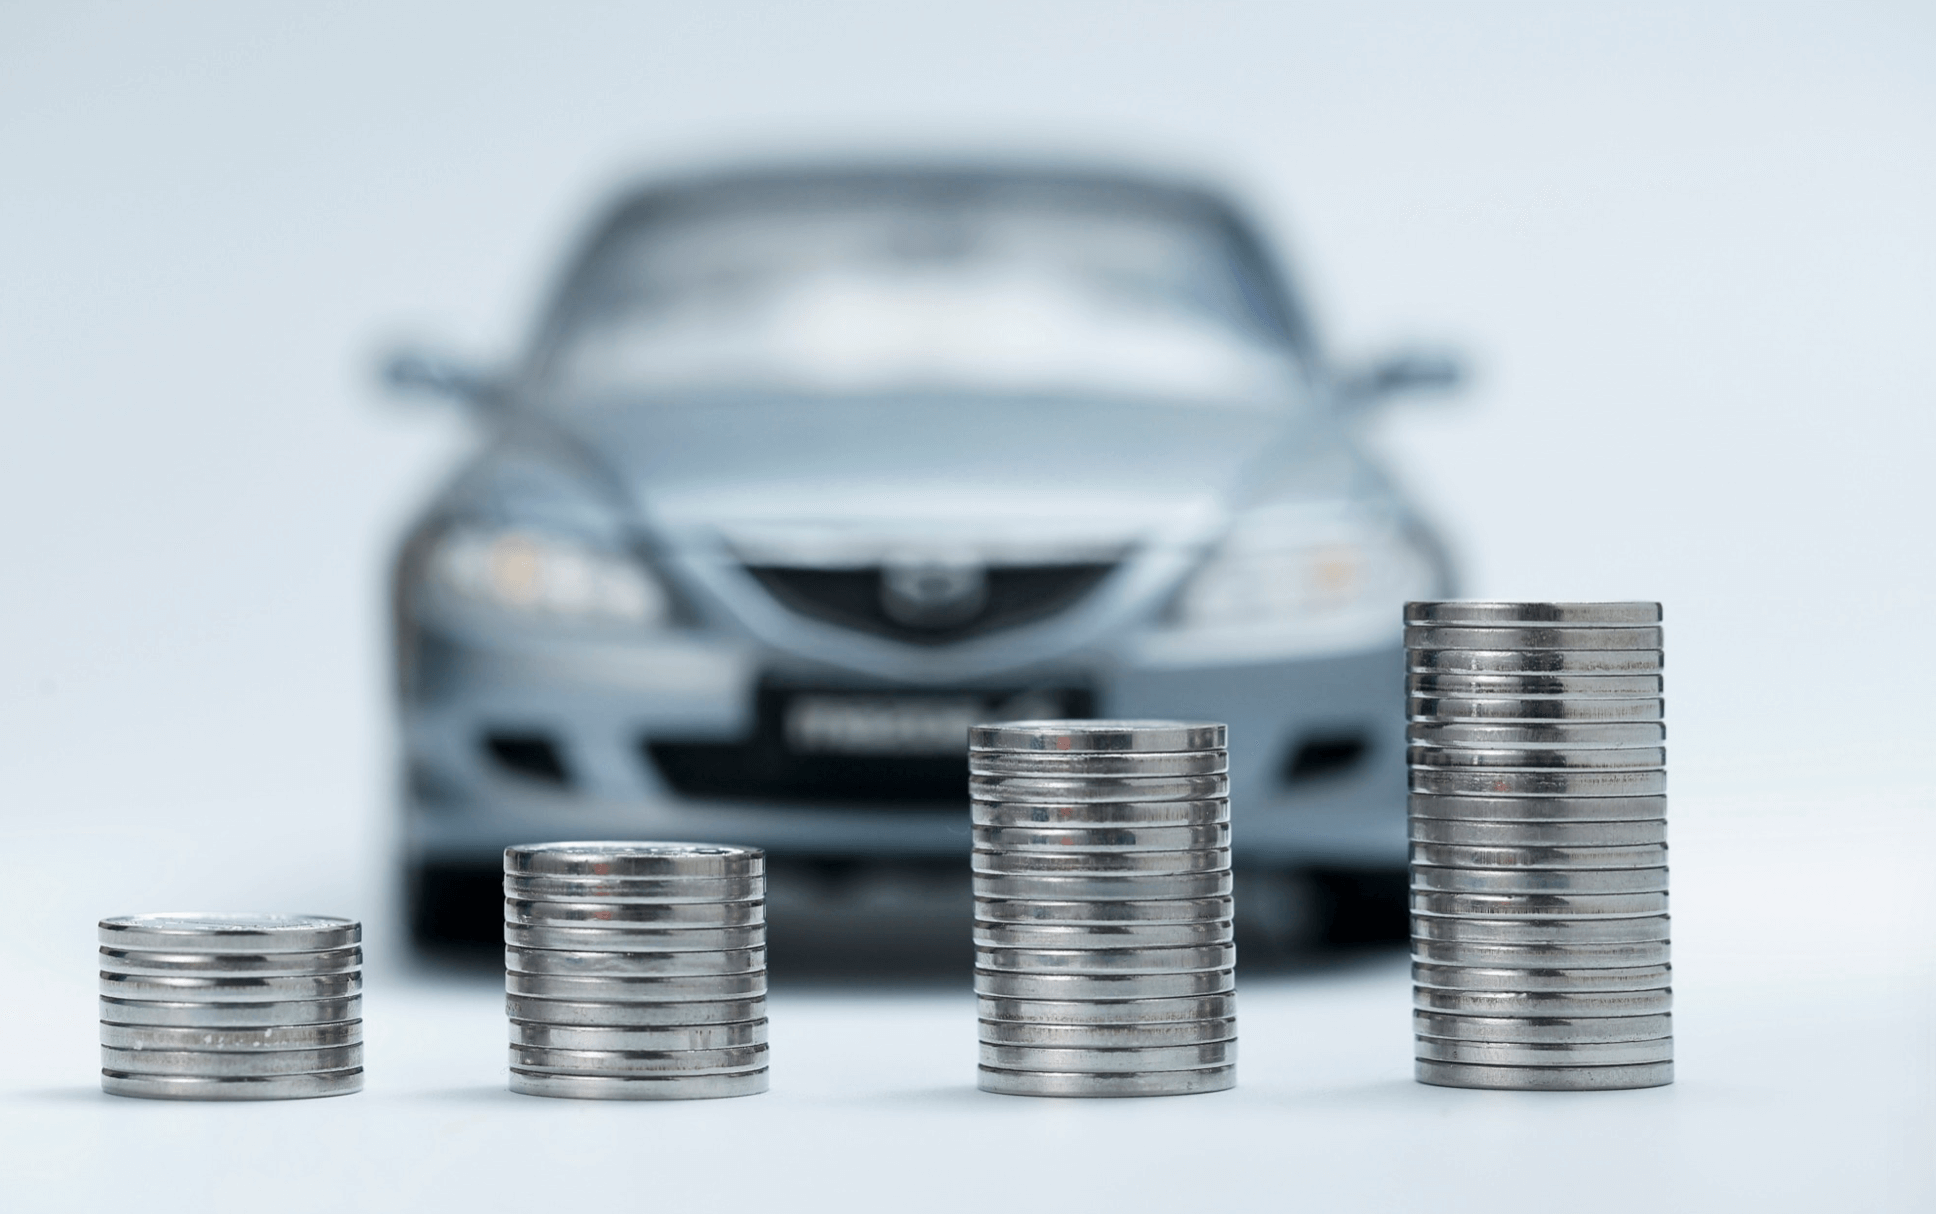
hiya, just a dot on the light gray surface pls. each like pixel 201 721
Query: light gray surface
pixel 1688 247
pixel 1802 1029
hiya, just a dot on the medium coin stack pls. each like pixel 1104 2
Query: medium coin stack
pixel 636 971
pixel 198 1006
pixel 1104 963
pixel 1539 845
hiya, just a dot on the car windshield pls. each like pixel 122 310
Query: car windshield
pixel 1023 296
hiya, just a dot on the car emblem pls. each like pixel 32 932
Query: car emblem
pixel 933 594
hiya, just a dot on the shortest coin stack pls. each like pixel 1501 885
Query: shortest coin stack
pixel 636 971
pixel 201 1006
pixel 1103 954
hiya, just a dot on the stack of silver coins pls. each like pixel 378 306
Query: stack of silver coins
pixel 199 1006
pixel 636 971
pixel 1104 963
pixel 1539 845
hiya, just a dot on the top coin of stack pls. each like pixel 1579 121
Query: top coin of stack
pixel 1104 962
pixel 201 1006
pixel 1539 845
pixel 636 971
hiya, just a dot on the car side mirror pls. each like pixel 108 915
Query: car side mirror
pixel 424 373
pixel 1408 371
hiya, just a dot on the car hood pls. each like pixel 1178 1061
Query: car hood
pixel 811 479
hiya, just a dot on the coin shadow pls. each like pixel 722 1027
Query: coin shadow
pixel 79 1093
pixel 1383 1091
pixel 473 1093
pixel 950 1095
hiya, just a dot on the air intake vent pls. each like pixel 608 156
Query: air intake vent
pixel 852 768
pixel 528 756
pixel 866 600
pixel 1324 756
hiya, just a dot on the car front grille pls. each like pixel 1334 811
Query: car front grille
pixel 852 598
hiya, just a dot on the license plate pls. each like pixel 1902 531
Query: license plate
pixel 848 723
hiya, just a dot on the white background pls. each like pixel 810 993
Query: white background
pixel 1690 252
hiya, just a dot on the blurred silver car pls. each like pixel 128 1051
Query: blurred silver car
pixel 805 470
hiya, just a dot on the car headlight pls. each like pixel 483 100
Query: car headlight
pixel 543 574
pixel 1286 571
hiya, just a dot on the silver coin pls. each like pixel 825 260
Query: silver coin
pixel 645 890
pixel 1478 782
pixel 1138 737
pixel 1085 912
pixel 731 1060
pixel 621 859
pixel 664 1037
pixel 702 988
pixel 1539 906
pixel 1535 735
pixel 1080 789
pixel 1082 766
pixel 1506 708
pixel 1648 855
pixel 638 1087
pixel 1453 833
pixel 1499 1053
pixel 1625 758
pixel 1148 1083
pixel 1107 960
pixel 1569 955
pixel 258 965
pixel 635 965
pixel 1571 981
pixel 1091 1012
pixel 633 916
pixel 226 932
pixel 1108 1036
pixel 1578 615
pixel 233 1087
pixel 1457 636
pixel 231 1062
pixel 620 1014
pixel 1065 987
pixel 1197 860
pixel 1109 1061
pixel 1654 1002
pixel 271 1037
pixel 1438 879
pixel 1114 887
pixel 1538 809
pixel 1543 1030
pixel 1103 838
pixel 179 988
pixel 1545 1078
pixel 643 940
pixel 1104 936
pixel 1533 661
pixel 198 1014
pixel 1539 880
pixel 1534 684
pixel 1561 932
pixel 1099 815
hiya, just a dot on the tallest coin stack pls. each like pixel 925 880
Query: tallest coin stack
pixel 1539 845
pixel 1103 954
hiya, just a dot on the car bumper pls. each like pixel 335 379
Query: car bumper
pixel 1316 751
